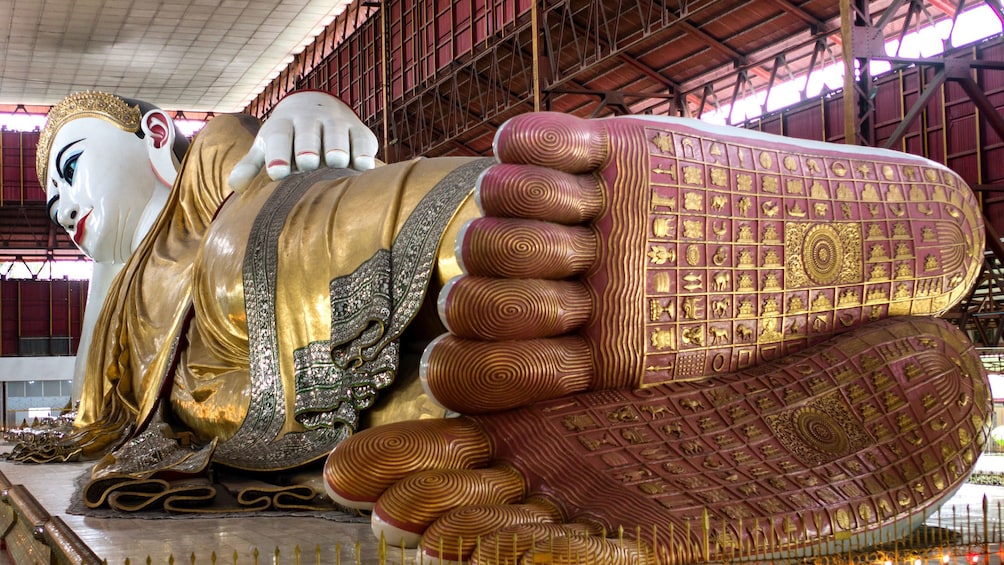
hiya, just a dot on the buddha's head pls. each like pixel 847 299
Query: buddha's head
pixel 102 160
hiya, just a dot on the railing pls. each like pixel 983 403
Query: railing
pixel 929 545
pixel 955 535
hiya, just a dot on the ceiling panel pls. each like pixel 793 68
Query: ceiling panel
pixel 207 55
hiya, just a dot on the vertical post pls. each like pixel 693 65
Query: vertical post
pixel 20 166
pixel 69 315
pixel 3 384
pixel 51 311
pixel 986 529
pixel 902 106
pixel 535 48
pixel 1 170
pixel 857 80
pixel 385 79
pixel 863 118
pixel 850 107
pixel 706 534
pixel 671 550
pixel 944 123
pixel 822 118
pixel 18 304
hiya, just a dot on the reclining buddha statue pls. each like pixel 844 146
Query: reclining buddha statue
pixel 639 322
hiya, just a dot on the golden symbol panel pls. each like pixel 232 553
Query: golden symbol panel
pixel 753 251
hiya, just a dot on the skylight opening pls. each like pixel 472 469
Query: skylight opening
pixel 973 25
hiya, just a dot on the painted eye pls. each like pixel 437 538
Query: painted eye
pixel 69 168
pixel 52 208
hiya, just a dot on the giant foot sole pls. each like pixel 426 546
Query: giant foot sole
pixel 634 251
pixel 856 438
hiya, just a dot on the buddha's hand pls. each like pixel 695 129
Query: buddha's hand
pixel 866 432
pixel 632 251
pixel 305 131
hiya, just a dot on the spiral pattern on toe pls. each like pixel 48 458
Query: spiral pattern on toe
pixel 499 375
pixel 558 141
pixel 454 535
pixel 512 309
pixel 417 500
pixel 508 544
pixel 401 449
pixel 561 543
pixel 536 193
pixel 493 247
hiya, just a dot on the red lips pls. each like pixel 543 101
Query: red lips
pixel 78 234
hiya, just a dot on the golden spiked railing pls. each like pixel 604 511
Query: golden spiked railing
pixel 953 535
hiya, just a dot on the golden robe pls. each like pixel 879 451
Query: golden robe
pixel 272 319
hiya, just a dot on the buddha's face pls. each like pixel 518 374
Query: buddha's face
pixel 100 182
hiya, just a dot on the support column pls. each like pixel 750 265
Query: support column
pixel 858 39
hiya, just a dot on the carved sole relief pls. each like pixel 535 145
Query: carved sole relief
pixel 758 246
pixel 862 433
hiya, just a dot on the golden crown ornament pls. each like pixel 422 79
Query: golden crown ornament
pixel 101 105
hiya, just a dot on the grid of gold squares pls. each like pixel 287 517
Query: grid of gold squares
pixel 756 251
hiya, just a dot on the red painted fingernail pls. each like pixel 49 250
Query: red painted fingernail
pixel 278 163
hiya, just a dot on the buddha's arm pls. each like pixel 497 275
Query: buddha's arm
pixel 97 291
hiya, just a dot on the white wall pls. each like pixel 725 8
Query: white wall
pixel 37 368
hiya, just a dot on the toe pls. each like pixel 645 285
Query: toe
pixel 512 309
pixel 476 377
pixel 362 467
pixel 538 193
pixel 558 141
pixel 407 508
pixel 558 544
pixel 455 534
pixel 515 248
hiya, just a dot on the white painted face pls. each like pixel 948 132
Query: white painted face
pixel 100 182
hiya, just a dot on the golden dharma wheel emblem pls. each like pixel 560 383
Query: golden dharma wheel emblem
pixel 821 431
pixel 823 254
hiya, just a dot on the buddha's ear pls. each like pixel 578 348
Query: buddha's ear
pixel 159 132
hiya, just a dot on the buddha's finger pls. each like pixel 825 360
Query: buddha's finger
pixel 307 146
pixel 363 466
pixel 278 140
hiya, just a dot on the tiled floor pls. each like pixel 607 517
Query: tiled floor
pixel 235 540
